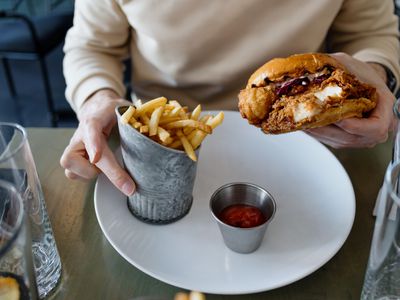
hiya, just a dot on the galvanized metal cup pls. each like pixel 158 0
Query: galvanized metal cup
pixel 164 177
pixel 242 240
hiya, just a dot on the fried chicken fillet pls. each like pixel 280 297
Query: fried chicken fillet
pixel 303 91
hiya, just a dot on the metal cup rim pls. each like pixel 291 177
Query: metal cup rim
pixel 244 184
pixel 146 137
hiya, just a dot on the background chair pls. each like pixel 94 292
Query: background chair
pixel 32 38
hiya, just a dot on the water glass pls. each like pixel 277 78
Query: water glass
pixel 17 167
pixel 396 132
pixel 382 278
pixel 17 277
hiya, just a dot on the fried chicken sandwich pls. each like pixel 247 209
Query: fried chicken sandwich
pixel 303 91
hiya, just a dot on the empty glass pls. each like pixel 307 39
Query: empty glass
pixel 17 167
pixel 17 278
pixel 382 279
pixel 396 133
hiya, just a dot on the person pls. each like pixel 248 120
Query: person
pixel 204 51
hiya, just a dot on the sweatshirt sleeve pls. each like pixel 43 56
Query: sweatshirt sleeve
pixel 368 30
pixel 94 49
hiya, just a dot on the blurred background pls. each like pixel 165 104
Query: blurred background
pixel 31 80
pixel 32 85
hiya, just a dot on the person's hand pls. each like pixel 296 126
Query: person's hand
pixel 88 153
pixel 361 132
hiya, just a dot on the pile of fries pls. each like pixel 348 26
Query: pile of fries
pixel 172 125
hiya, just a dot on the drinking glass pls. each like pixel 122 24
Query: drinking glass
pixel 382 279
pixel 17 278
pixel 17 166
pixel 396 132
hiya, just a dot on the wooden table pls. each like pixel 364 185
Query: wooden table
pixel 94 270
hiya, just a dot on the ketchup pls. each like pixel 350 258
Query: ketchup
pixel 242 215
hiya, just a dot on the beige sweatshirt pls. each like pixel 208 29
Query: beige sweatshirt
pixel 203 51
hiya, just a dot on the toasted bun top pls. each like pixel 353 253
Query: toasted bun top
pixel 293 66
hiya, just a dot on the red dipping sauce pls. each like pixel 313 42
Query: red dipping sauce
pixel 242 215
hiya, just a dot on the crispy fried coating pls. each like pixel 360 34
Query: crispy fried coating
pixel 255 104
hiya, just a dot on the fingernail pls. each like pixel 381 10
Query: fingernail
pixel 128 188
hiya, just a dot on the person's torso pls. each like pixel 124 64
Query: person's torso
pixel 204 51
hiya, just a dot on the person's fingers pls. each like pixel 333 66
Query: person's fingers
pixel 115 173
pixel 340 144
pixel 338 138
pixel 94 140
pixel 373 128
pixel 74 160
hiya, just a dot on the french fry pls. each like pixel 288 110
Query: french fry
pixel 181 296
pixel 183 115
pixel 168 107
pixel 215 121
pixel 187 130
pixel 128 114
pixel 145 119
pixel 196 113
pixel 166 120
pixel 192 134
pixel 197 138
pixel 175 112
pixel 189 123
pixel 186 145
pixel 163 135
pixel 175 103
pixel 194 116
pixel 150 105
pixel 170 124
pixel 168 141
pixel 155 118
pixel 132 120
pixel 205 118
pixel 178 110
pixel 144 129
pixel 175 144
pixel 196 296
pixel 193 295
pixel 136 125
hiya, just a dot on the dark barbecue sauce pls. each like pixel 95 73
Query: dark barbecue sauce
pixel 242 215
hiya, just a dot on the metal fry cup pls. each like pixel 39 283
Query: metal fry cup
pixel 164 177
pixel 242 240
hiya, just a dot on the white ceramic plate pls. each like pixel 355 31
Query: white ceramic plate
pixel 315 212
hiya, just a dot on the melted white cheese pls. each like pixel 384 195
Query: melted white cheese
pixel 329 91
